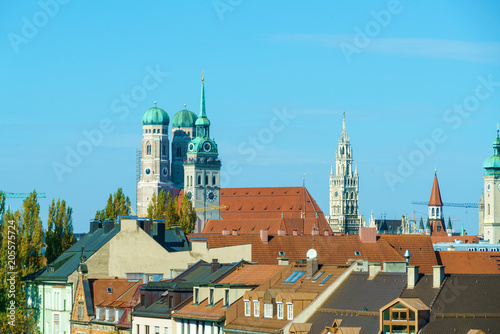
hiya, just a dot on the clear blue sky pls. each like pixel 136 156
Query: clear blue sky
pixel 401 71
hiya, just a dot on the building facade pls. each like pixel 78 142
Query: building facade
pixel 344 189
pixel 491 196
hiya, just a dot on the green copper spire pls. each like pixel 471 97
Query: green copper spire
pixel 202 123
pixel 421 226
pixel 492 164
pixel 203 112
pixel 428 225
pixel 449 226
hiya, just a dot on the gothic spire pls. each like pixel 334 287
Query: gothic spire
pixel 344 131
pixel 203 112
pixel 435 199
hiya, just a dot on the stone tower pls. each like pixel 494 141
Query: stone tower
pixel 155 163
pixel 202 170
pixel 491 220
pixel 183 131
pixel 344 188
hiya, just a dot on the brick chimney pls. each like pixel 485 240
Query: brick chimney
pixel 294 232
pixel 315 231
pixel 368 234
pixel 437 276
pixel 235 232
pixel 264 236
pixel 281 233
pixel 412 276
pixel 225 232
pixel 373 269
pixel 311 267
pixel 215 265
pixel 326 233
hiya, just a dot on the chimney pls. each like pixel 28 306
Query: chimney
pixel 368 234
pixel 264 236
pixel 159 231
pixel 373 269
pixel 311 267
pixel 215 265
pixel 281 233
pixel 283 261
pixel 326 233
pixel 108 225
pixel 235 232
pixel 437 276
pixel 294 232
pixel 315 231
pixel 225 232
pixel 94 225
pixel 412 276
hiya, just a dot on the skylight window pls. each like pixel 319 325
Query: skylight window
pixel 317 276
pixel 357 253
pixel 294 277
pixel 326 279
pixel 110 290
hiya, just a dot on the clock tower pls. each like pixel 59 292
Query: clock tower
pixel 344 188
pixel 202 170
pixel 155 162
pixel 491 196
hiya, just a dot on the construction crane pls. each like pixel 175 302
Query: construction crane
pixel 208 207
pixel 458 205
pixel 23 195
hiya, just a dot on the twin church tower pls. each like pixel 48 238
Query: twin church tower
pixel 191 162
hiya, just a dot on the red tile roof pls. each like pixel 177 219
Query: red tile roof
pixel 420 247
pixel 201 311
pixel 469 262
pixel 466 239
pixel 332 249
pixel 435 199
pixel 252 274
pixel 121 292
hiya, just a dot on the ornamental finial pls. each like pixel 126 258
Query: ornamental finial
pixel 202 75
pixel 185 106
pixel 155 103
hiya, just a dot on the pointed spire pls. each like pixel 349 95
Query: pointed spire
pixel 344 131
pixel 449 226
pixel 496 143
pixel 435 199
pixel 421 226
pixel 427 225
pixel 203 112
pixel 331 169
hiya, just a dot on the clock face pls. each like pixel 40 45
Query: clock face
pixel 336 194
pixel 191 147
pixel 189 194
pixel 211 196
pixel 207 146
pixel 147 171
pixel 488 186
pixel 165 171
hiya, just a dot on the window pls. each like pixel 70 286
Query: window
pixel 213 180
pixel 157 330
pixel 279 307
pixel 315 278
pixel 199 179
pixel 164 149
pixel 268 310
pixel 289 311
pixel 488 209
pixel 179 152
pixel 247 308
pixel 226 297
pixel 326 279
pixel 138 330
pixel 148 149
pixel 256 308
pixel 438 227
pixel 147 329
pixel 211 300
pixel 109 290
pixel 80 311
pixel 294 276
pixel 196 296
pixel 206 180
pixel 166 330
pixel 154 130
pixel 357 253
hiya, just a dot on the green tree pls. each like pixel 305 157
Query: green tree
pixel 172 212
pixel 187 215
pixel 31 236
pixel 152 206
pixel 118 205
pixel 156 208
pixel 59 236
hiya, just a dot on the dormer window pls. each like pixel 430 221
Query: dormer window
pixel 226 298
pixel 247 308
pixel 268 310
pixel 289 311
pixel 256 308
pixel 196 296
pixel 211 299
pixel 279 310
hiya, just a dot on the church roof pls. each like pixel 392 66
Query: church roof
pixel 155 116
pixel 435 199
pixel 184 119
pixel 492 164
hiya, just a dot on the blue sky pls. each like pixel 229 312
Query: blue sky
pixel 419 82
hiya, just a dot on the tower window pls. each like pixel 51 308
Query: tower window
pixel 179 152
pixel 149 130
pixel 438 227
pixel 191 183
pixel 199 179
pixel 213 180
pixel 148 149
pixel 154 130
pixel 488 209
pixel 432 212
pixel 206 180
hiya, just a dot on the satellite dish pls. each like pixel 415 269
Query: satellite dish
pixel 312 254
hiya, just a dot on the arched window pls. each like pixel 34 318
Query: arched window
pixel 148 149
pixel 199 179
pixel 154 130
pixel 488 209
pixel 432 214
pixel 191 180
pixel 149 130
pixel 206 180
pixel 164 149
pixel 179 152
pixel 437 212
pixel 213 180
pixel 438 227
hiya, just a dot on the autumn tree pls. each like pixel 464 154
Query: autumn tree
pixel 156 208
pixel 59 236
pixel 172 212
pixel 187 215
pixel 118 205
pixel 31 236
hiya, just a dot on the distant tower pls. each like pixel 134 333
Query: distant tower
pixel 435 205
pixel 183 130
pixel 155 163
pixel 480 232
pixel 344 187
pixel 491 221
pixel 202 170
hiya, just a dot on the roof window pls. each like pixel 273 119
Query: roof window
pixel 357 253
pixel 110 290
pixel 326 279
pixel 317 276
pixel 294 276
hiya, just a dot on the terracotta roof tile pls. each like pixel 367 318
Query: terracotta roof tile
pixel 466 239
pixel 420 247
pixel 435 199
pixel 470 262
pixel 201 311
pixel 252 274
pixel 119 288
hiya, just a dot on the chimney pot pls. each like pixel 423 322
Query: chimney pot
pixel 373 269
pixel 412 276
pixel 283 261
pixel 294 232
pixel 235 232
pixel 225 232
pixel 281 232
pixel 264 236
pixel 437 276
